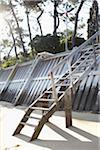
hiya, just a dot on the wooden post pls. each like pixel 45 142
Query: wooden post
pixel 54 94
pixel 95 62
pixel 98 39
pixel 68 108
pixel 71 78
pixel 70 72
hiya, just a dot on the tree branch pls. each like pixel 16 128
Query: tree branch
pixel 39 18
pixel 76 22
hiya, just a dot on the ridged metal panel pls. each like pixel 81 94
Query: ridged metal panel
pixel 40 80
pixel 96 108
pixel 90 99
pixel 9 94
pixel 4 74
pixel 86 95
pixel 21 72
pixel 16 83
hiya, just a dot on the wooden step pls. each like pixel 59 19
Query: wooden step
pixel 46 100
pixel 33 117
pixel 63 78
pixel 76 74
pixel 49 92
pixel 59 92
pixel 40 108
pixel 27 124
pixel 62 84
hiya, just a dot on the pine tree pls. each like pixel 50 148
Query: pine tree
pixel 93 21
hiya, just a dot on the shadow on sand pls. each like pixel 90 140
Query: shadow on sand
pixel 70 143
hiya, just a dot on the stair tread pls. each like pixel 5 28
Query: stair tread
pixel 28 124
pixel 60 92
pixel 33 117
pixel 62 84
pixel 40 108
pixel 77 74
pixel 46 99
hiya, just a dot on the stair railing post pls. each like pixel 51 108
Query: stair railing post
pixel 95 63
pixel 98 38
pixel 68 108
pixel 70 76
pixel 54 94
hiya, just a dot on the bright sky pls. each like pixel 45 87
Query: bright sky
pixel 83 14
pixel 47 21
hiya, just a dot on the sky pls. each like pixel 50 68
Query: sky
pixel 47 21
pixel 84 13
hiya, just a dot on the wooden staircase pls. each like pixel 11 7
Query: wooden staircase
pixel 60 89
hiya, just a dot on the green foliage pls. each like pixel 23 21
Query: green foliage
pixel 54 44
pixel 9 62
pixel 49 43
pixel 78 40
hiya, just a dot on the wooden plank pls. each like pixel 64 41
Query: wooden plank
pixel 59 92
pixel 24 119
pixel 54 93
pixel 27 124
pixel 33 117
pixel 40 108
pixel 38 129
pixel 68 108
pixel 62 54
pixel 76 75
pixel 62 84
pixel 46 100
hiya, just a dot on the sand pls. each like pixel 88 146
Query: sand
pixel 83 135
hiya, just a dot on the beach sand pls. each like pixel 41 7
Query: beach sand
pixel 83 135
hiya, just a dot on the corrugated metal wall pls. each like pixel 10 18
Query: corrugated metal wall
pixel 85 97
pixel 15 84
pixel 39 80
pixel 4 73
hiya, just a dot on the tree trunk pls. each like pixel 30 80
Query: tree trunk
pixel 29 29
pixel 55 17
pixel 22 43
pixel 76 23
pixel 39 21
pixel 14 41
